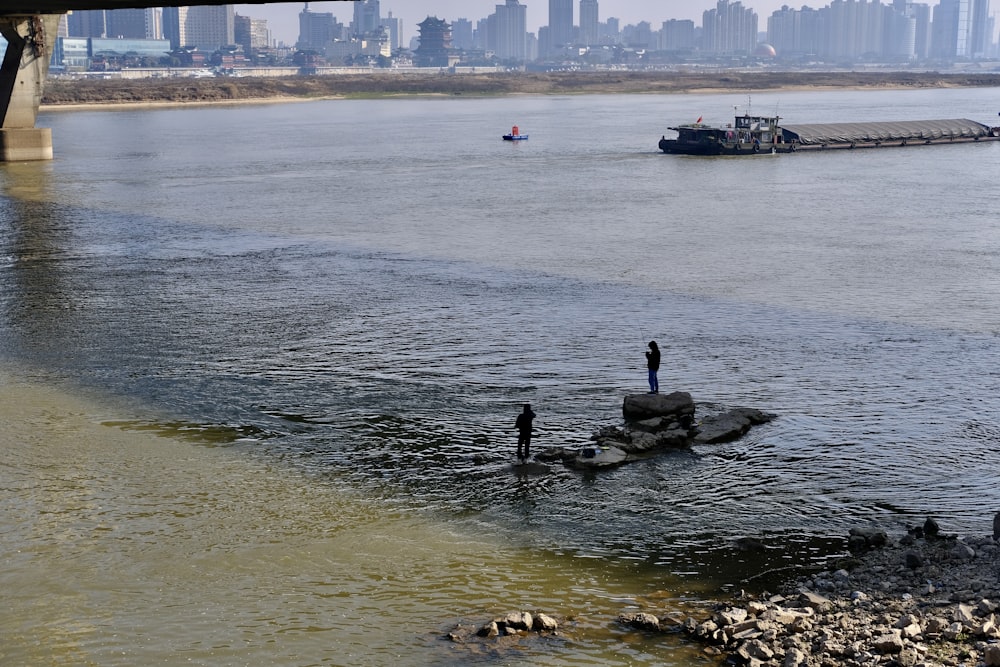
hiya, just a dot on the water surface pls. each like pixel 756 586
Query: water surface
pixel 358 296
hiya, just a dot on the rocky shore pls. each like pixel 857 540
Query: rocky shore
pixel 922 599
pixel 184 90
pixel 925 599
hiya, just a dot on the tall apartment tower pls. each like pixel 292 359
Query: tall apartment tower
pixel 394 27
pixel 589 22
pixel 729 28
pixel 677 35
pixel 512 31
pixel 461 34
pixel 316 29
pixel 960 29
pixel 366 17
pixel 211 27
pixel 208 28
pixel 560 22
pixel 252 34
pixel 88 23
pixel 920 15
pixel 133 23
pixel 980 33
pixel 855 27
pixel 174 18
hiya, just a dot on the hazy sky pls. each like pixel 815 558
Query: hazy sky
pixel 284 23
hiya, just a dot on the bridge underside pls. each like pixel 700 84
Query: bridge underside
pixel 22 77
pixel 29 7
pixel 30 28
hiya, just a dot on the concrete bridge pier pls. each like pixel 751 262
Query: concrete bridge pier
pixel 30 40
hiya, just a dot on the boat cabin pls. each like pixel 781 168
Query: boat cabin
pixel 745 134
pixel 762 128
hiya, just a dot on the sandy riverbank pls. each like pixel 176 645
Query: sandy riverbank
pixel 182 91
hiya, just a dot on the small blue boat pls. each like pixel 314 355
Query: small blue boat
pixel 515 135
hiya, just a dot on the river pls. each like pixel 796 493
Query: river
pixel 261 365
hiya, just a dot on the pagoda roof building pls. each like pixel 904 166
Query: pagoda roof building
pixel 435 43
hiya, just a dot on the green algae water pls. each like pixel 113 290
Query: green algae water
pixel 262 366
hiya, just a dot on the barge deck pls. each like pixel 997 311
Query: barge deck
pixel 749 135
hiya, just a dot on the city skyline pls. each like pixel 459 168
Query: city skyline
pixel 284 23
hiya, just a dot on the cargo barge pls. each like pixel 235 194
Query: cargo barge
pixel 765 135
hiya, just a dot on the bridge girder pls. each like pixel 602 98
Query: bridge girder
pixel 30 27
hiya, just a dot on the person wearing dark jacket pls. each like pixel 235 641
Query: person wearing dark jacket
pixel 653 364
pixel 523 426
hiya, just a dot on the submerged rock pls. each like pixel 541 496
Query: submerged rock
pixel 729 426
pixel 505 628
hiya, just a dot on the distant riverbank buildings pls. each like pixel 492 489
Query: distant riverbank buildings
pixel 953 30
pixel 841 33
pixel 844 31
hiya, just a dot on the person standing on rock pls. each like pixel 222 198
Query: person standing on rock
pixel 653 364
pixel 523 426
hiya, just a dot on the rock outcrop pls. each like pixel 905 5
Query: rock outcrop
pixel 654 423
pixel 730 425
pixel 676 406
pixel 505 630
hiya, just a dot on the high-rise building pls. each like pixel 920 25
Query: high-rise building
pixel 639 36
pixel 210 27
pixel 115 23
pixel 900 35
pixel 784 31
pixel 512 31
pixel 730 28
pixel 921 13
pixel 461 34
pixel 207 28
pixel 88 23
pixel 174 18
pixel 677 35
pixel 133 23
pixel 316 29
pixel 611 31
pixel 366 18
pixel 855 28
pixel 394 27
pixel 961 29
pixel 589 22
pixel 252 34
pixel 980 32
pixel 485 34
pixel 560 23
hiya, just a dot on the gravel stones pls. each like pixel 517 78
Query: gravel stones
pixel 923 600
